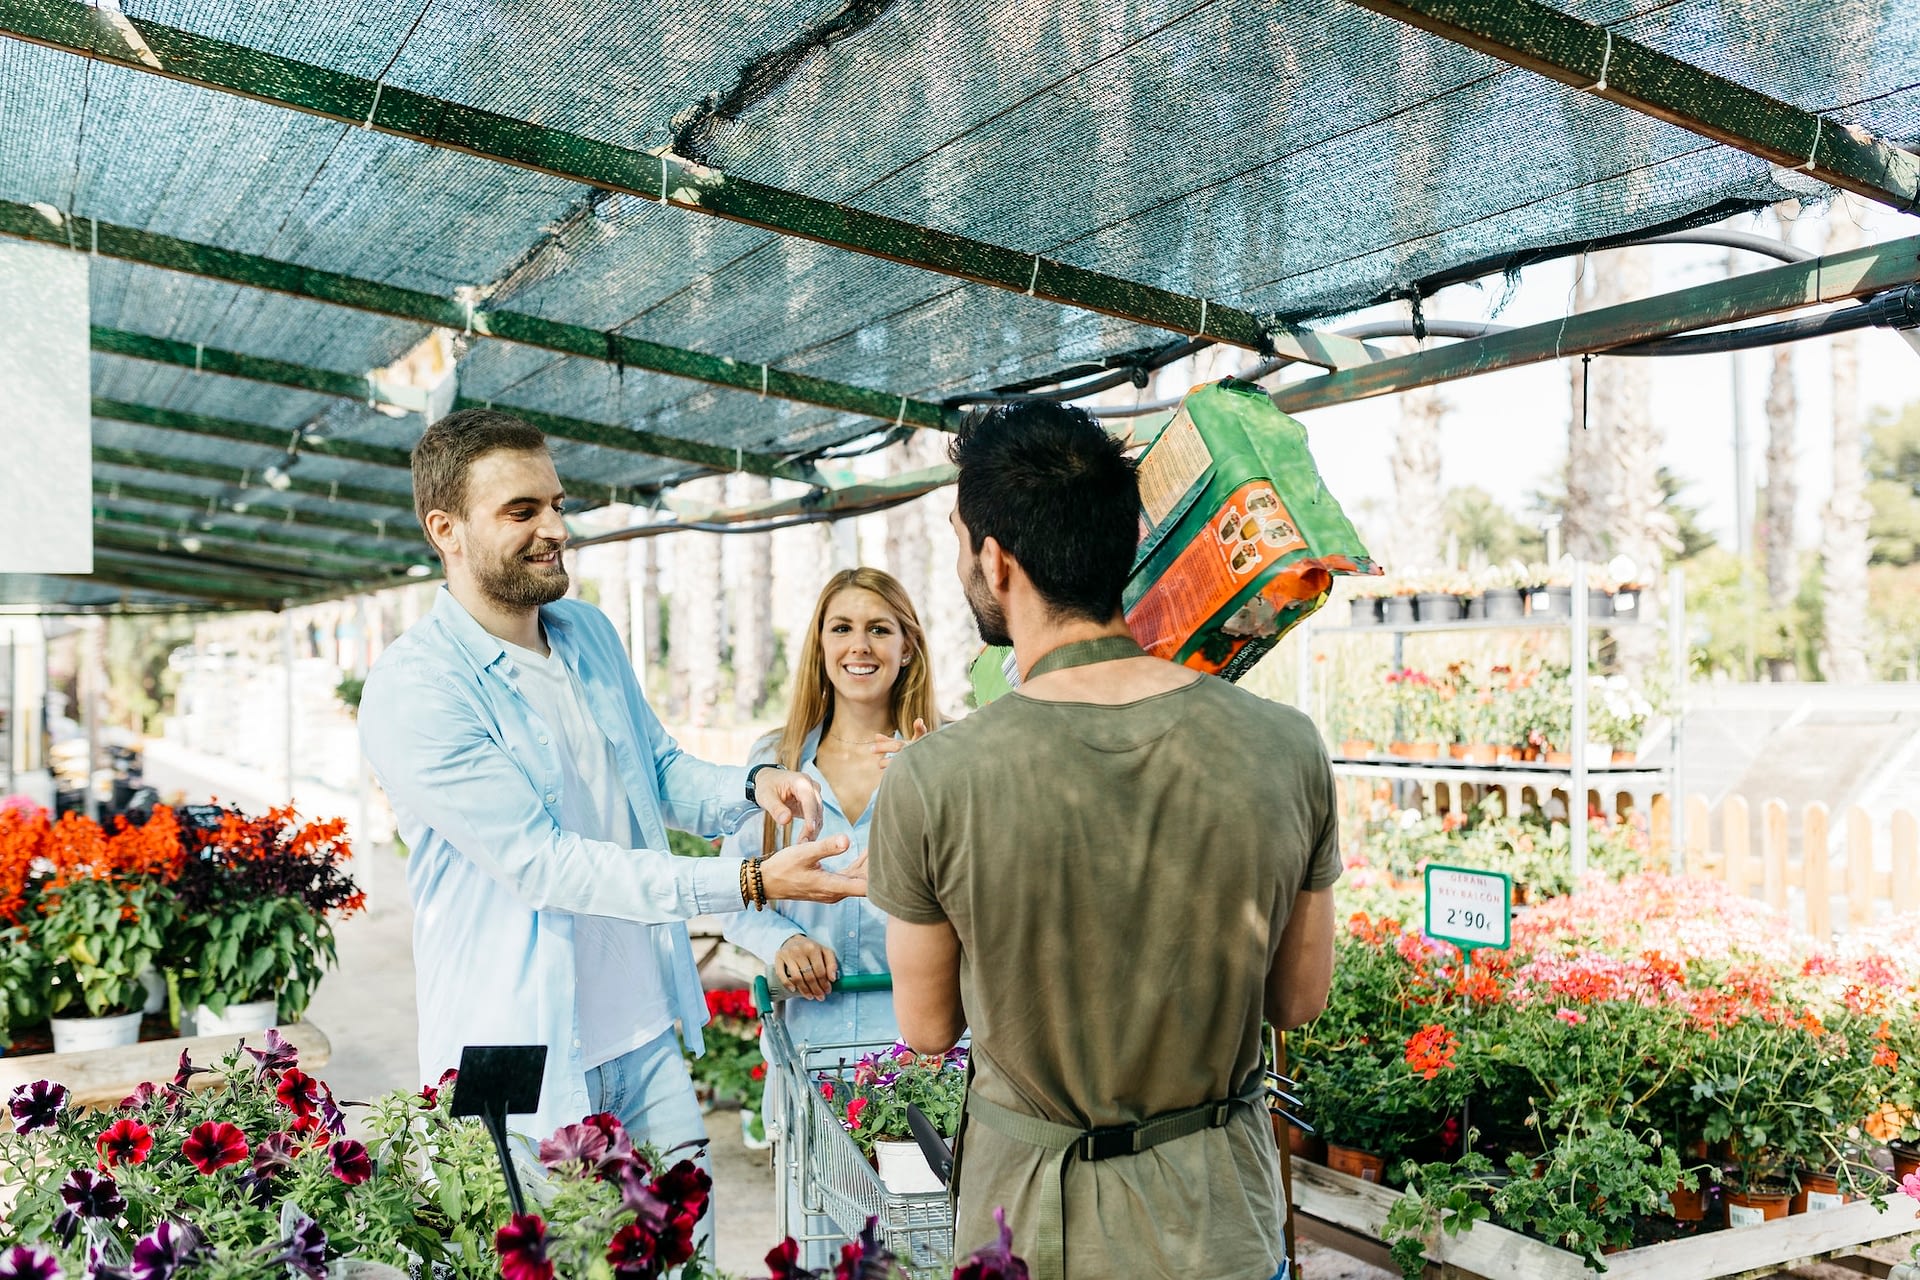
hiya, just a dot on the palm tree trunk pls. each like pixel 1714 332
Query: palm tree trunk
pixel 1782 490
pixel 1419 515
pixel 696 605
pixel 1845 542
pixel 750 593
pixel 1591 423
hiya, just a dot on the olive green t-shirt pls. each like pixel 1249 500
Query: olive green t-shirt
pixel 1119 877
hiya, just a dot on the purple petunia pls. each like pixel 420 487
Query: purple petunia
pixel 996 1261
pixel 24 1262
pixel 273 1153
pixel 37 1105
pixel 278 1056
pixel 92 1195
pixel 164 1250
pixel 306 1249
pixel 574 1144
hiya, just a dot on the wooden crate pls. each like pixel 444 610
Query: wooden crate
pixel 102 1077
pixel 1348 1214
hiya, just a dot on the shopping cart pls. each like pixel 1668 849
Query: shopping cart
pixel 816 1161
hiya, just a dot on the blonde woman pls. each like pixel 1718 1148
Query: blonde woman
pixel 861 689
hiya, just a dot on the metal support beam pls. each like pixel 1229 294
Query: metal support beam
pixel 191 545
pixel 1838 277
pixel 1589 57
pixel 123 573
pixel 379 455
pixel 368 557
pixel 142 552
pixel 47 225
pixel 371 391
pixel 247 477
pixel 379 530
pixel 301 86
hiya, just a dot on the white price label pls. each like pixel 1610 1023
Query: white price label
pixel 1470 909
pixel 1740 1215
pixel 1824 1202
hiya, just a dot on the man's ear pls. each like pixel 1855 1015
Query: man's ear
pixel 996 566
pixel 440 532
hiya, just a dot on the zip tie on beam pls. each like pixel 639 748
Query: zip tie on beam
pixel 374 109
pixel 1034 279
pixel 763 382
pixel 1818 121
pixel 469 316
pixel 93 236
pixel 246 477
pixel 1606 60
pixel 663 177
pixel 199 350
pixel 372 391
pixel 1201 332
pixel 901 416
pixel 288 522
pixel 379 528
pixel 333 492
pixel 737 456
pixel 213 505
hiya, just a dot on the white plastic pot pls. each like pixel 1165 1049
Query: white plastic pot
pixel 904 1168
pixel 156 984
pixel 255 1015
pixel 77 1035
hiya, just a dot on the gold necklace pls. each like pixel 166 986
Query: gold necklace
pixel 852 742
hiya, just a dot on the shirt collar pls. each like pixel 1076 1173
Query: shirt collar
pixel 485 647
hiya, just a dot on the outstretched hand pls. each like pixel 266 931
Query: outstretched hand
pixel 886 745
pixel 795 873
pixel 787 795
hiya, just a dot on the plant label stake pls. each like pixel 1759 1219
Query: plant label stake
pixel 1471 909
pixel 497 1081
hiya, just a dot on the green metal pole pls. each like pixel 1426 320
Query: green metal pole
pixel 302 86
pixel 1839 277
pixel 193 546
pixel 369 390
pixel 49 226
pixel 206 508
pixel 1589 57
pixel 364 556
pixel 247 477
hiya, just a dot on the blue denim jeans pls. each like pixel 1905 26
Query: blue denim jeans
pixel 650 1093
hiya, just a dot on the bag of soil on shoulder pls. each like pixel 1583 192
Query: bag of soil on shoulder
pixel 1239 538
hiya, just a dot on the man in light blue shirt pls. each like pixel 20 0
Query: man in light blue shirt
pixel 534 786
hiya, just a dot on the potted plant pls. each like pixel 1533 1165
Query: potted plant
pixel 1501 593
pixel 1440 598
pixel 258 897
pixel 873 1107
pixel 1397 605
pixel 1617 715
pixel 732 1066
pixel 1363 601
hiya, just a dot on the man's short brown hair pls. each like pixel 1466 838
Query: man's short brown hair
pixel 447 452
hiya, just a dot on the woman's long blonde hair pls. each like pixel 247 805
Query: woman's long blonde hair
pixel 812 704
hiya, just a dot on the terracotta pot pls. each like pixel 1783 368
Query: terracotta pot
pixel 1560 757
pixel 1906 1159
pixel 1356 1164
pixel 1426 751
pixel 1402 749
pixel 1457 750
pixel 1529 753
pixel 1304 1145
pixel 1818 1193
pixel 1506 755
pixel 1482 752
pixel 1522 893
pixel 1356 748
pixel 1687 1206
pixel 1621 758
pixel 1751 1208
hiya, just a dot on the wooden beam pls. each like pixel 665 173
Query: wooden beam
pixel 1839 277
pixel 208 63
pixel 1589 57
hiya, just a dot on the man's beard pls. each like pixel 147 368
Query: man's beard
pixel 987 614
pixel 517 584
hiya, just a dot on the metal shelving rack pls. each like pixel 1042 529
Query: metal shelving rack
pixel 1574 778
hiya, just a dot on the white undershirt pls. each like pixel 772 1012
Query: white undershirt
pixel 620 1001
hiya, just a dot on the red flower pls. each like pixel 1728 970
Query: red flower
pixel 854 1109
pixel 759 1071
pixel 522 1246
pixel 125 1141
pixel 632 1252
pixel 1430 1050
pixel 214 1145
pixel 783 1261
pixel 1885 1057
pixel 351 1164
pixel 316 1133
pixel 298 1092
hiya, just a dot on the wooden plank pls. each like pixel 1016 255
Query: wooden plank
pixel 1906 861
pixel 1491 1252
pixel 1699 834
pixel 1773 854
pixel 102 1077
pixel 1859 866
pixel 1736 843
pixel 1816 871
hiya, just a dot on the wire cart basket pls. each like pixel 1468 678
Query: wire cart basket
pixel 817 1163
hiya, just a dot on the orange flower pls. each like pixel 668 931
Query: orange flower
pixel 1884 1056
pixel 1430 1050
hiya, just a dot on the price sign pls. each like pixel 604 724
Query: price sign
pixel 1471 909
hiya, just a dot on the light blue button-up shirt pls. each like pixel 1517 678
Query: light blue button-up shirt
pixel 475 780
pixel 855 930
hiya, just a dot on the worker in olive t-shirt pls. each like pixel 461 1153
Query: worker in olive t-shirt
pixel 1111 876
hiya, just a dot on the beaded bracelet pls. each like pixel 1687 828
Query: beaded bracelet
pixel 759 885
pixel 746 882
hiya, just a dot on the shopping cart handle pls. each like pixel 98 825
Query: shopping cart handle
pixel 768 988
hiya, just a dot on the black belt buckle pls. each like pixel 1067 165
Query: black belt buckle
pixel 1105 1144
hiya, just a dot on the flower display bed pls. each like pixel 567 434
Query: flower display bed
pixel 1350 1215
pixel 102 1077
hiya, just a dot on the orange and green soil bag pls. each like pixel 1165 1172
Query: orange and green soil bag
pixel 1239 538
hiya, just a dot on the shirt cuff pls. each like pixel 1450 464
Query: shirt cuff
pixel 716 884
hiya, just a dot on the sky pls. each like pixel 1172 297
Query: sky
pixel 1507 432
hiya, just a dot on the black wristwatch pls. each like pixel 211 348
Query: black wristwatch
pixel 755 773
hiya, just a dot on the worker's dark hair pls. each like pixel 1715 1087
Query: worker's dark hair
pixel 447 452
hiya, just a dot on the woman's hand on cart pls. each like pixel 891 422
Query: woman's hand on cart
pixel 806 968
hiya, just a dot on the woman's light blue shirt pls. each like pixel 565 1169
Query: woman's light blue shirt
pixel 855 930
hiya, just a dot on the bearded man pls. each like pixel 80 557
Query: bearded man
pixel 534 787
